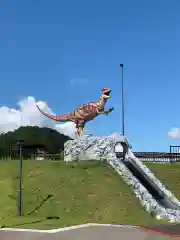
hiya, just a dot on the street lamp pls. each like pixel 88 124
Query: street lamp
pixel 122 95
pixel 19 144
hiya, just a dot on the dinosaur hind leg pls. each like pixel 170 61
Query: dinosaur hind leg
pixel 79 129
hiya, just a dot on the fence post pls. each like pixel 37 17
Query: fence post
pixel 170 159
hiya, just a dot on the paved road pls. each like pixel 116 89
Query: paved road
pixel 85 233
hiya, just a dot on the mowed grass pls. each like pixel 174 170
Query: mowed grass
pixel 82 192
pixel 168 174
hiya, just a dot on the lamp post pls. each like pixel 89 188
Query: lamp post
pixel 122 95
pixel 19 144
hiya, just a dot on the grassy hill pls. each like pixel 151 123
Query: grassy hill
pixel 169 174
pixel 81 192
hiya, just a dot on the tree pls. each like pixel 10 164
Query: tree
pixel 51 140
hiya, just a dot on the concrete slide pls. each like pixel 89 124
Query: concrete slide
pixel 135 167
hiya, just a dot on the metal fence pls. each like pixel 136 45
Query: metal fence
pixel 153 156
pixel 29 154
pixel 173 156
pixel 175 153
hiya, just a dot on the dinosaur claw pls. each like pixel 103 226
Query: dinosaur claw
pixel 111 109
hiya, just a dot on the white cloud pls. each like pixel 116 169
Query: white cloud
pixel 81 81
pixel 174 133
pixel 29 115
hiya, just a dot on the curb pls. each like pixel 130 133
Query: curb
pixel 64 228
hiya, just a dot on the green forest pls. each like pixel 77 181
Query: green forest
pixel 33 138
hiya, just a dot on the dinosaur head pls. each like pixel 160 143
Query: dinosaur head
pixel 106 93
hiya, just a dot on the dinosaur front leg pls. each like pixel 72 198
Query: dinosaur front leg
pixel 106 112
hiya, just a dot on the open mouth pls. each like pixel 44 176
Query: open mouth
pixel 107 93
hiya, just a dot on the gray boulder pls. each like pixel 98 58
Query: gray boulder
pixel 92 148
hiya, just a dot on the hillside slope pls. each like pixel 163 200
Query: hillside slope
pixel 168 174
pixel 81 192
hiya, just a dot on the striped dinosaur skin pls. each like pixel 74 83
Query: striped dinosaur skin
pixel 84 113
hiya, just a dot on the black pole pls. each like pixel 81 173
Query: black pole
pixel 20 180
pixel 122 95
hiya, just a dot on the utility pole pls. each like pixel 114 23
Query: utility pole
pixel 122 95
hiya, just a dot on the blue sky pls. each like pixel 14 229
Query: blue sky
pixel 64 53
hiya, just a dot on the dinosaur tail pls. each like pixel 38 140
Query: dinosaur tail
pixel 63 118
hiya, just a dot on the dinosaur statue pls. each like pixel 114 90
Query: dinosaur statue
pixel 84 113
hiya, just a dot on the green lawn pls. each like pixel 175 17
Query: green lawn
pixel 81 193
pixel 169 174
